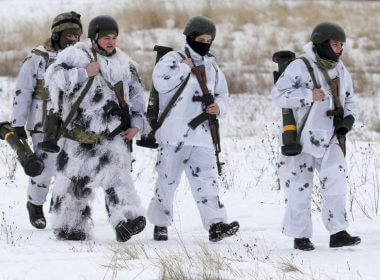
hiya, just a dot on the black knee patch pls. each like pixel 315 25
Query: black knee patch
pixel 62 160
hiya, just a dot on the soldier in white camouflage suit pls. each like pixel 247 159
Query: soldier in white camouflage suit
pixel 31 102
pixel 89 155
pixel 310 95
pixel 185 149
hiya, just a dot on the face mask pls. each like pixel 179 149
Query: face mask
pixel 326 63
pixel 64 42
pixel 325 52
pixel 201 48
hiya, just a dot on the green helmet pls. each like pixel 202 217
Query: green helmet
pixel 65 21
pixel 327 31
pixel 200 25
pixel 99 24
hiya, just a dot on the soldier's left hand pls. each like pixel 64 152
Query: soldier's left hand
pixel 213 109
pixel 129 133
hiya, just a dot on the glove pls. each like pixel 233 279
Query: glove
pixel 20 132
pixel 342 126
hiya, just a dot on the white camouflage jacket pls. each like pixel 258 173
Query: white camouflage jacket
pixel 168 75
pixel 28 110
pixel 67 77
pixel 294 90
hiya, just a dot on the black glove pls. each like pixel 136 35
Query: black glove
pixel 342 126
pixel 20 132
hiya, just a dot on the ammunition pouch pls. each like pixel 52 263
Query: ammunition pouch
pixel 32 164
pixel 84 137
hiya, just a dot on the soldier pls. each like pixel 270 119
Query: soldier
pixel 310 93
pixel 31 102
pixel 93 153
pixel 182 148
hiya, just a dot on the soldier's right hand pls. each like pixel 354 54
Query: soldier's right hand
pixel 189 62
pixel 318 94
pixel 93 68
pixel 20 132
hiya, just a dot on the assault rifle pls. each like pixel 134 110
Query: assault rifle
pixel 207 99
pixel 338 112
pixel 124 113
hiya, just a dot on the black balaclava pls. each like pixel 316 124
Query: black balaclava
pixel 200 48
pixel 63 42
pixel 325 51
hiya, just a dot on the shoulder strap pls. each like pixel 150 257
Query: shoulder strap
pixel 77 103
pixel 182 55
pixel 43 54
pixel 170 105
pixel 311 71
pixel 316 85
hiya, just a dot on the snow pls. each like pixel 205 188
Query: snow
pixel 249 191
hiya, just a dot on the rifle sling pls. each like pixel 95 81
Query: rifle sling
pixel 170 105
pixel 310 69
pixel 77 103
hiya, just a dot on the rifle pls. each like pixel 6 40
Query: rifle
pixel 125 117
pixel 207 99
pixel 338 112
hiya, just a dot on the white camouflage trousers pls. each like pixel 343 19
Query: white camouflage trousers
pixel 80 169
pixel 296 179
pixel 38 187
pixel 199 166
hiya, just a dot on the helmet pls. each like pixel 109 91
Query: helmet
pixel 65 21
pixel 200 25
pixel 327 31
pixel 101 23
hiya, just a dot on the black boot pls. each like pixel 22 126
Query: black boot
pixel 160 233
pixel 125 229
pixel 74 235
pixel 343 238
pixel 303 244
pixel 36 215
pixel 222 230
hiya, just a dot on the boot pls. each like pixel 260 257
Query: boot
pixel 303 244
pixel 343 238
pixel 74 235
pixel 222 230
pixel 36 215
pixel 125 229
pixel 160 233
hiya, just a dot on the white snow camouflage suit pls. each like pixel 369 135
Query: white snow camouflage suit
pixel 83 167
pixel 29 111
pixel 320 149
pixel 182 148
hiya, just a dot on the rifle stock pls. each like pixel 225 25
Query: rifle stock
pixel 118 88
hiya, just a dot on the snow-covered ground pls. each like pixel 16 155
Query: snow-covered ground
pixel 249 190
